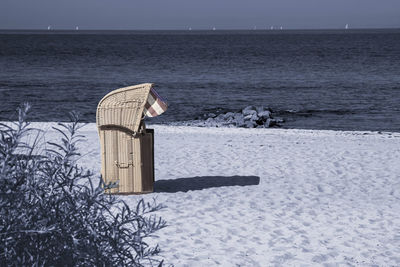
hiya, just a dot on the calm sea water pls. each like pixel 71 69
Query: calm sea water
pixel 336 79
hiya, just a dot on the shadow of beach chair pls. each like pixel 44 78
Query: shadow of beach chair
pixel 203 182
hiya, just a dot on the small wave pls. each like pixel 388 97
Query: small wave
pixel 12 85
pixel 310 112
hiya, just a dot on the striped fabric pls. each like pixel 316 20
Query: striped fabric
pixel 155 105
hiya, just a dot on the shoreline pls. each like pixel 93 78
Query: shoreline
pixel 92 126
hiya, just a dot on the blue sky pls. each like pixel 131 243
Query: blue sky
pixel 201 14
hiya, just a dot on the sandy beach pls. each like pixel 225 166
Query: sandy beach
pixel 272 197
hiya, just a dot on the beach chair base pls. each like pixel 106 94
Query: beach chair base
pixel 128 161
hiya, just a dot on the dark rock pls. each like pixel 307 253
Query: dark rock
pixel 249 124
pixel 260 121
pixel 229 114
pixel 254 117
pixel 249 117
pixel 265 114
pixel 248 112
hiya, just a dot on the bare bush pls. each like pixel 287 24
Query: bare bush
pixel 51 214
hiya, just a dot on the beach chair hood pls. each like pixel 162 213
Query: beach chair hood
pixel 123 108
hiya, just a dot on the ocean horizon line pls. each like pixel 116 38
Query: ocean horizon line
pixel 277 29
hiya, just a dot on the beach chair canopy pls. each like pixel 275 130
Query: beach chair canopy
pixel 126 107
pixel 155 105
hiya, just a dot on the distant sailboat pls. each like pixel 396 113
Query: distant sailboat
pixel 214 28
pixel 49 28
pixel 77 28
pixel 190 28
pixel 347 26
pixel 272 27
pixel 281 28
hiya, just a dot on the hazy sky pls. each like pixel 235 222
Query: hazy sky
pixel 200 14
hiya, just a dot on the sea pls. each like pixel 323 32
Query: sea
pixel 312 79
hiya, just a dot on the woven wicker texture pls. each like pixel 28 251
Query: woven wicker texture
pixel 123 107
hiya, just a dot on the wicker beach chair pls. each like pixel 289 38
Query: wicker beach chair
pixel 127 147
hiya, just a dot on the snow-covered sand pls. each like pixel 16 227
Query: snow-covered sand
pixel 273 197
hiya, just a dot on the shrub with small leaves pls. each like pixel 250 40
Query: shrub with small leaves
pixel 51 214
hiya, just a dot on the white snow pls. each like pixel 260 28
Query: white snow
pixel 323 198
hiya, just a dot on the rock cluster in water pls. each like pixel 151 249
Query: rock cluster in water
pixel 249 117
